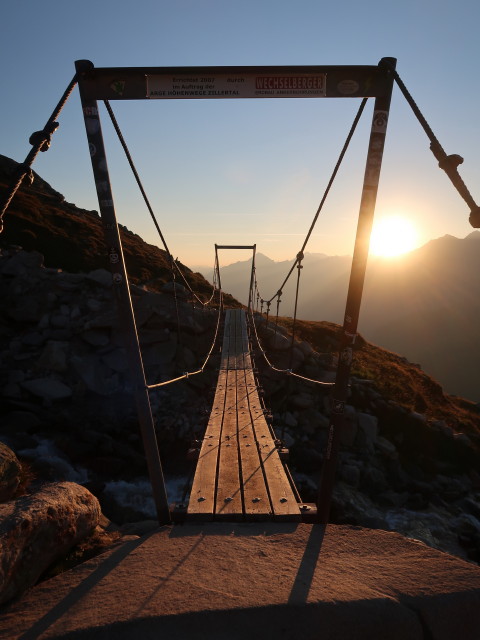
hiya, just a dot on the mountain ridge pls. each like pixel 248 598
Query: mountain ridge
pixel 396 314
pixel 409 452
pixel 39 218
pixel 422 306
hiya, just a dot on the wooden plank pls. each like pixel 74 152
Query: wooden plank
pixel 238 340
pixel 232 353
pixel 245 343
pixel 255 495
pixel 284 503
pixel 226 342
pixel 228 504
pixel 239 472
pixel 202 496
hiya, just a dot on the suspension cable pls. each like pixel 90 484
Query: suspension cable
pixel 326 192
pixel 300 257
pixel 286 371
pixel 173 263
pixel 205 362
pixel 40 141
pixel 449 163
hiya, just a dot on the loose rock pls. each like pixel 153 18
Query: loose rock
pixel 38 529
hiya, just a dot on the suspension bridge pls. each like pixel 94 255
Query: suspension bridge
pixel 240 474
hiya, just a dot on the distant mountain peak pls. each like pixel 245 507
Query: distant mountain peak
pixel 475 236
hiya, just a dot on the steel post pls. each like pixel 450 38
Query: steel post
pixel 252 272
pixel 355 290
pixel 121 291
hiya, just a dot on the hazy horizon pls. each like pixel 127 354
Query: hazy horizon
pixel 248 255
pixel 248 171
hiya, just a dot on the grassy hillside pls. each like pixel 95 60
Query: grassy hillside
pixel 71 238
pixel 394 376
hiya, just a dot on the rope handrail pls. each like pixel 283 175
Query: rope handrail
pixel 286 371
pixel 205 362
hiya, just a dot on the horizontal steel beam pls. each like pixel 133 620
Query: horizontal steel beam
pixel 232 246
pixel 309 81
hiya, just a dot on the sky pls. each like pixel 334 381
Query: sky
pixel 249 171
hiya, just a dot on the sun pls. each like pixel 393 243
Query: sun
pixel 392 236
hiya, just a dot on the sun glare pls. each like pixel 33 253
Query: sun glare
pixel 392 236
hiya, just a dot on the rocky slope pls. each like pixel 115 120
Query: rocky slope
pixel 410 453
pixel 409 458
pixel 39 218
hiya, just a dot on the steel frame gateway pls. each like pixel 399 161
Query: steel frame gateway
pixel 137 83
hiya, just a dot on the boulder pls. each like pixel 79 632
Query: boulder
pixel 303 400
pixel 274 339
pixel 369 425
pixel 10 470
pixel 101 277
pixel 22 262
pixel 54 356
pixel 38 529
pixel 175 288
pixel 47 388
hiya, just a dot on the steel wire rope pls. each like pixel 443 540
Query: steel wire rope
pixel 40 141
pixel 205 362
pixel 292 342
pixel 325 194
pixel 300 254
pixel 286 371
pixel 173 263
pixel 449 163
pixel 206 303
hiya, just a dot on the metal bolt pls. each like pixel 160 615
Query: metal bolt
pixel 283 499
pixel 228 499
pixel 201 499
pixel 305 507
pixel 256 499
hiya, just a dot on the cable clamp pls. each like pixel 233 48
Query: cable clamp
pixel 450 162
pixel 43 138
pixel 474 218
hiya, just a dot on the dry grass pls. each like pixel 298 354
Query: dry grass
pixel 72 239
pixel 395 378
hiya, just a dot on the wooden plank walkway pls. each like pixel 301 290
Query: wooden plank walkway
pixel 239 474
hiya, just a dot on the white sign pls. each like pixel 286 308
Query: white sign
pixel 294 85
